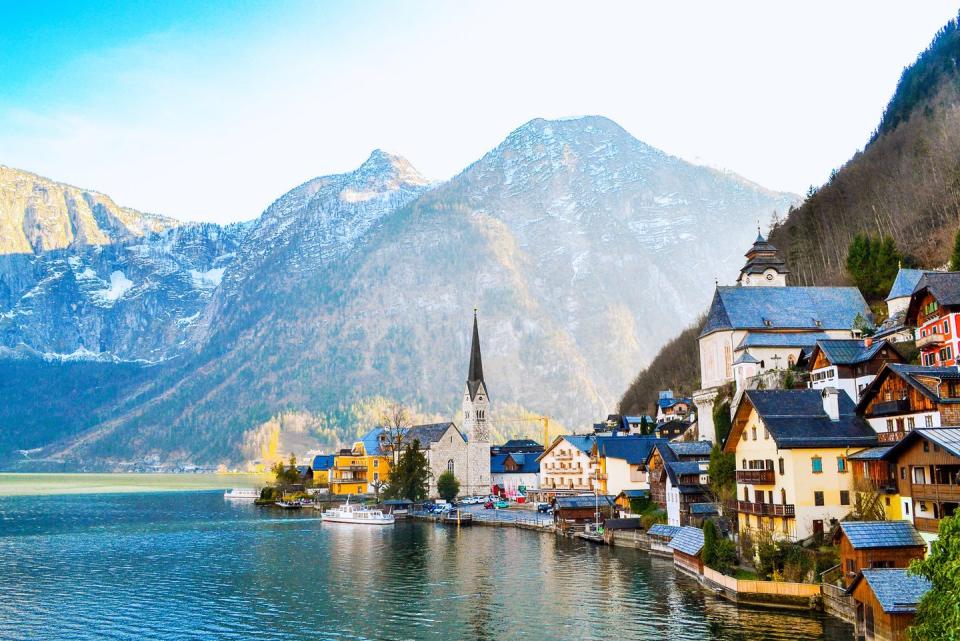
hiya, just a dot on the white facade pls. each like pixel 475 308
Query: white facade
pixel 905 422
pixel 769 278
pixel 829 377
pixel 621 476
pixel 565 466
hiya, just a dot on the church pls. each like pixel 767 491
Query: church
pixel 476 422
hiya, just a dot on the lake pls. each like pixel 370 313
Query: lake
pixel 189 565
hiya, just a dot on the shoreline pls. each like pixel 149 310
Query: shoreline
pixel 74 483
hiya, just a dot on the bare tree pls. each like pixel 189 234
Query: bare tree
pixel 395 421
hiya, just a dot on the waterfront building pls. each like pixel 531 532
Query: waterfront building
pixel 625 497
pixel 886 602
pixel 687 544
pixel 928 475
pixel 572 510
pixel 515 472
pixel 322 465
pixel 792 449
pixel 905 397
pixel 894 328
pixel 568 465
pixel 622 462
pixel 660 535
pixel 677 473
pixel 876 478
pixel 877 544
pixel 763 325
pixel 361 469
pixel 934 309
pixel 849 364
pixel 475 475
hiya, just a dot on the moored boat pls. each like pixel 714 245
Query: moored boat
pixel 242 494
pixel 348 513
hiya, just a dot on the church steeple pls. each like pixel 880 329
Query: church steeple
pixel 475 397
pixel 764 267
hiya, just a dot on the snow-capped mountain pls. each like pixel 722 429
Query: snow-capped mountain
pixel 583 248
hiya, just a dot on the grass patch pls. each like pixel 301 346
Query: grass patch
pixel 745 575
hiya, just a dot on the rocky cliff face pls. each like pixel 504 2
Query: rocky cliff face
pixel 583 248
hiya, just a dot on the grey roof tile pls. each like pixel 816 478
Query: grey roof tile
pixel 881 534
pixel 688 540
pixel 897 590
pixel 796 418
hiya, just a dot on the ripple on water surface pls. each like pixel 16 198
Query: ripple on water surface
pixel 190 566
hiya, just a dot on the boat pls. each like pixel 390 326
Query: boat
pixel 348 513
pixel 289 505
pixel 242 494
pixel 592 532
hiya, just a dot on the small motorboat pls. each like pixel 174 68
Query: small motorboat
pixel 290 505
pixel 242 494
pixel 348 513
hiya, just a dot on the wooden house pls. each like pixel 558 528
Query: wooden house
pixel 934 309
pixel 677 473
pixel 585 508
pixel 905 397
pixel 928 476
pixel 687 544
pixel 849 364
pixel 877 544
pixel 876 478
pixel 885 601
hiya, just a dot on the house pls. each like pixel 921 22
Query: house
pixel 622 462
pixel 672 408
pixel 305 472
pixel 678 477
pixel 904 397
pixel 849 364
pixel 791 448
pixel 512 473
pixel 660 535
pixel 877 544
pixel 894 328
pixel 928 475
pixel 687 544
pixel 571 510
pixel 876 478
pixel 322 464
pixel 625 497
pixel 933 310
pixel 765 325
pixel 671 430
pixel 886 602
pixel 568 466
pixel 350 474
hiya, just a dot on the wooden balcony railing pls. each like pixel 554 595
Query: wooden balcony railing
pixel 756 477
pixel 763 509
pixel 935 492
pixel 891 407
pixel 890 437
pixel 927 525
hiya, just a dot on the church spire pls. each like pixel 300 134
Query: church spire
pixel 475 373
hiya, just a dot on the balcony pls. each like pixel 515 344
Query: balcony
pixel 927 525
pixel 763 509
pixel 563 457
pixel 755 477
pixel 930 340
pixel 890 437
pixel 350 468
pixel 935 492
pixel 600 476
pixel 891 407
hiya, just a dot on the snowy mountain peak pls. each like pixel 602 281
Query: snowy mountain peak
pixel 390 169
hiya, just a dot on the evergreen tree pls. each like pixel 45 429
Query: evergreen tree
pixel 872 264
pixel 410 477
pixel 448 486
pixel 938 615
pixel 722 473
pixel 955 256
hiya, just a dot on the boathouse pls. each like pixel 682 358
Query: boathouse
pixel 877 544
pixel 659 536
pixel 687 544
pixel 886 602
pixel 576 510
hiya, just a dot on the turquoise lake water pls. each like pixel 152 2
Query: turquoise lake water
pixel 189 565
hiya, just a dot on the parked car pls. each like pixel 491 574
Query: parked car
pixel 544 507
pixel 488 505
pixel 501 504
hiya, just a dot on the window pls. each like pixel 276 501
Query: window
pixel 841 465
pixel 911 423
pixel 782 472
pixel 818 498
pixel 926 446
pixel 766 434
pixel 906 509
pixel 844 497
pixel 744 464
pixel 376 462
pixel 376 476
pixel 851 566
pixel 754 431
pixel 816 464
pixel 450 465
pixel 903 474
pixel 889 424
pixel 887 500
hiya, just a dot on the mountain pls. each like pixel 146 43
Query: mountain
pixel 904 184
pixel 581 246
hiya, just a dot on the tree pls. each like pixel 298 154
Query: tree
pixel 284 475
pixel 410 477
pixel 395 420
pixel 448 486
pixel 873 264
pixel 377 486
pixel 721 417
pixel 722 473
pixel 938 615
pixel 719 553
pixel 955 256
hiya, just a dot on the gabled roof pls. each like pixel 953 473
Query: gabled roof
pixel 944 286
pixel 688 540
pixel 686 468
pixel 745 357
pixel 323 462
pixel 634 494
pixel 851 351
pixel 780 339
pixel 430 433
pixel 910 374
pixel 527 463
pixel 633 449
pixel 796 419
pixel 946 437
pixel 691 448
pixel 664 403
pixel 704 509
pixel 664 530
pixel 865 535
pixel 905 282
pixel 779 308
pixel 584 501
pixel 897 590
pixel 583 442
pixel 871 454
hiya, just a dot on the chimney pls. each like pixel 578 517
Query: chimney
pixel 868 342
pixel 831 402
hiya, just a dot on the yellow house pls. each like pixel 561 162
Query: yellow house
pixel 622 462
pixel 791 449
pixel 358 470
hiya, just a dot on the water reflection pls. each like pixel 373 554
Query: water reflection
pixel 189 565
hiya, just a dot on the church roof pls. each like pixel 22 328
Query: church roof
pixel 475 372
pixel 905 283
pixel 763 256
pixel 773 308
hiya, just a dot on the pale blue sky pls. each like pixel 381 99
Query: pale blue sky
pixel 209 111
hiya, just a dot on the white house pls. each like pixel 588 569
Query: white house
pixel 568 464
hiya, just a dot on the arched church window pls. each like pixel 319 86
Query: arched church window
pixel 450 465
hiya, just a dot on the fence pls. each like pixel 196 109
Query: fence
pixel 772 588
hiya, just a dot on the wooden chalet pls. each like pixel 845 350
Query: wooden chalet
pixel 928 475
pixel 577 510
pixel 885 601
pixel 687 545
pixel 905 397
pixel 877 544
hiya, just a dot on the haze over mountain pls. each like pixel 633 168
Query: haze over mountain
pixel 582 247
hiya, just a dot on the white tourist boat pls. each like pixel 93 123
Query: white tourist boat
pixel 347 513
pixel 242 494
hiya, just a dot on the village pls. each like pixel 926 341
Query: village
pixel 813 465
